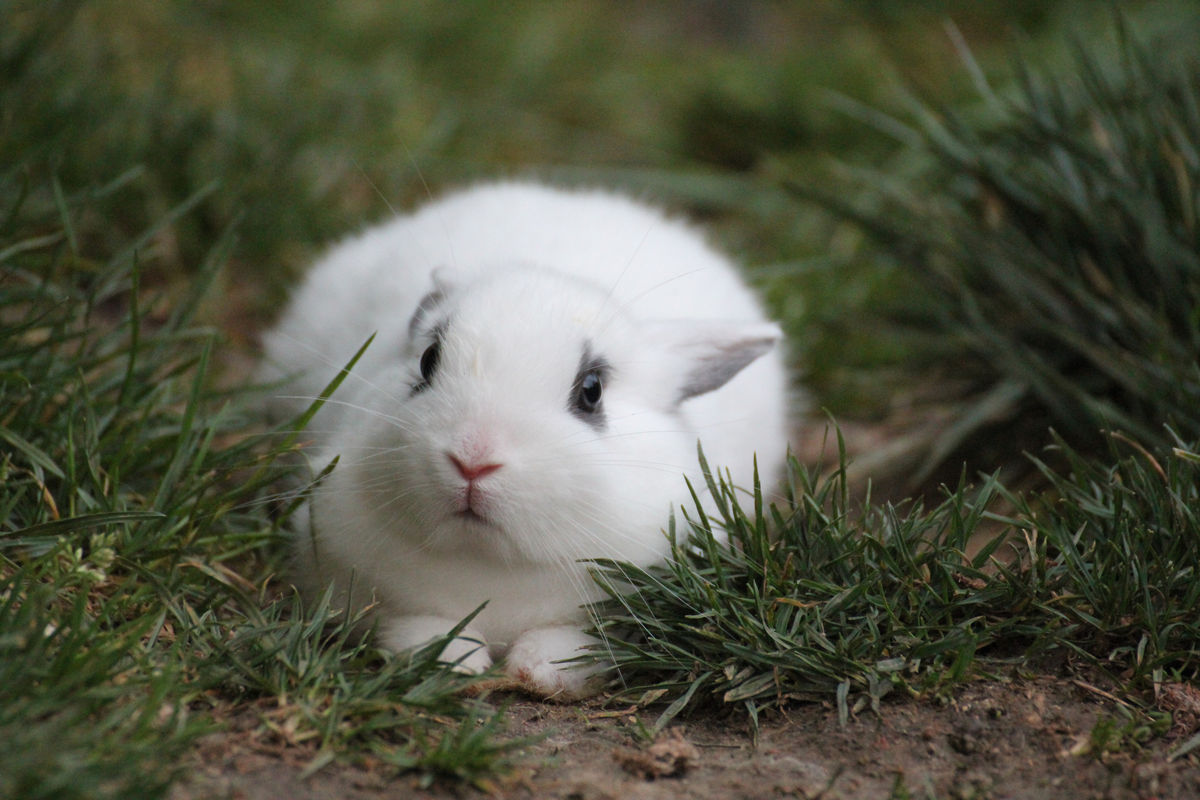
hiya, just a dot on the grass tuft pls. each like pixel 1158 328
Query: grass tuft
pixel 1055 230
pixel 813 599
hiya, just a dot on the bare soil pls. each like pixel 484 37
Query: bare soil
pixel 1027 738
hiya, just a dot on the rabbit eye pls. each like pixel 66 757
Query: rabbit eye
pixel 588 389
pixel 429 363
pixel 587 399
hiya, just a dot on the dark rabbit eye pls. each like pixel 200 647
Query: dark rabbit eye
pixel 429 363
pixel 587 397
pixel 588 388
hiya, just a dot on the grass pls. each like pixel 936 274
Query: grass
pixel 155 197
pixel 816 599
pixel 1053 236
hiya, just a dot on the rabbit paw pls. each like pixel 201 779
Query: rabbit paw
pixel 531 661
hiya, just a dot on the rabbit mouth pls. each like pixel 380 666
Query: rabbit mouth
pixel 473 516
pixel 472 509
pixel 472 503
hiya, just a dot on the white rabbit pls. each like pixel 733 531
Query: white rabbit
pixel 544 362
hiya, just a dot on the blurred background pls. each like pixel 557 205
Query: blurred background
pixel 270 128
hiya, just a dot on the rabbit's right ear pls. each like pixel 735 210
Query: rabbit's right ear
pixel 445 283
pixel 705 355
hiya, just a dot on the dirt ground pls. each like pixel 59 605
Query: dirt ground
pixel 1027 738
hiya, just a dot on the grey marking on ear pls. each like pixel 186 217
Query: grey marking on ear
pixel 429 302
pixel 717 365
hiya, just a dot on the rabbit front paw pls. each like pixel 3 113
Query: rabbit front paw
pixel 536 661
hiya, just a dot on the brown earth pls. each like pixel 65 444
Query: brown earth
pixel 1027 738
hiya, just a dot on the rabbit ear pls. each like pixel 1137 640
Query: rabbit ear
pixel 445 283
pixel 706 355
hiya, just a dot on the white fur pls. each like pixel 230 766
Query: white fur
pixel 531 276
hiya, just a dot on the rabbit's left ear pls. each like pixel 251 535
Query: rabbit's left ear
pixel 705 355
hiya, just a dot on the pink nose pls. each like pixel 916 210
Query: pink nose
pixel 472 472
